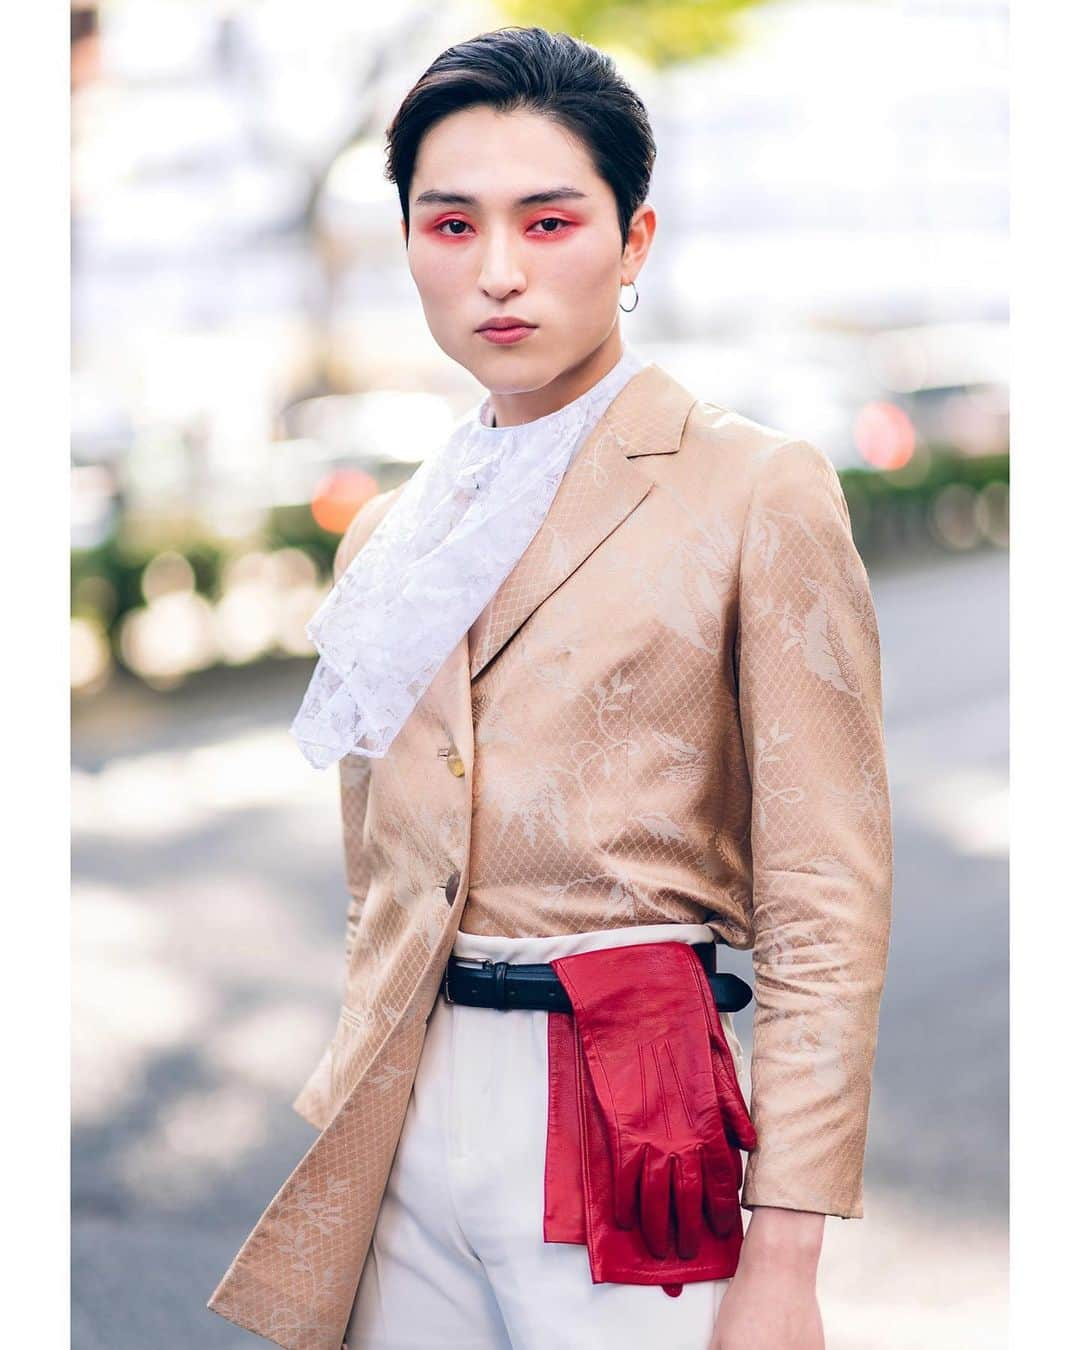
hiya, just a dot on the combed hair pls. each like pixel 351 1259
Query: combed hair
pixel 552 74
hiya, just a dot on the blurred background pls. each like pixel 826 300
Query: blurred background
pixel 831 259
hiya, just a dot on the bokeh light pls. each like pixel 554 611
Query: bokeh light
pixel 167 574
pixel 169 638
pixel 338 496
pixel 992 513
pixel 884 435
pixel 91 659
pixel 953 518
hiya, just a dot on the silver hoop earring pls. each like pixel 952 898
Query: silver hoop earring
pixel 636 299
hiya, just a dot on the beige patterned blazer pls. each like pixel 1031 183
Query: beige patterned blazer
pixel 669 711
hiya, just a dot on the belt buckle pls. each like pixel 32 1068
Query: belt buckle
pixel 464 961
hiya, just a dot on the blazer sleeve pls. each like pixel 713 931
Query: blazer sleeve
pixel 808 674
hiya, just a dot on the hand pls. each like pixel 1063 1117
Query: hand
pixel 771 1303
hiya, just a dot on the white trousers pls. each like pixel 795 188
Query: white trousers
pixel 458 1259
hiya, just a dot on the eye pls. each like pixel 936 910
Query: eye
pixel 553 220
pixel 561 226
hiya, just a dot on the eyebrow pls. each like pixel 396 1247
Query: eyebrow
pixel 434 197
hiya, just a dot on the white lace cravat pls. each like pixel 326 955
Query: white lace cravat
pixel 430 566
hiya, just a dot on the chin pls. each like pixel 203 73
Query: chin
pixel 511 370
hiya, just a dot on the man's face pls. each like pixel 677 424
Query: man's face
pixel 557 264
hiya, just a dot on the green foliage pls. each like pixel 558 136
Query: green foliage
pixel 660 32
pixel 943 466
pixel 294 527
pixel 890 512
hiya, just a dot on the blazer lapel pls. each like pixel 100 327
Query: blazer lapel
pixel 598 491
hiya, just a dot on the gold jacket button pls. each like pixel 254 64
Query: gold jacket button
pixel 456 765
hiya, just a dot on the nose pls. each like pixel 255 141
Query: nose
pixel 500 269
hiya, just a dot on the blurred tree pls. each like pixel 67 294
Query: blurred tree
pixel 660 32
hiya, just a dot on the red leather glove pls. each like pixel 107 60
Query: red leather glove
pixel 740 1128
pixel 665 1086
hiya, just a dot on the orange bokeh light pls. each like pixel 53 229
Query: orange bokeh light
pixel 884 435
pixel 338 496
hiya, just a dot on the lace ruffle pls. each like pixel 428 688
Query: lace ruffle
pixel 432 563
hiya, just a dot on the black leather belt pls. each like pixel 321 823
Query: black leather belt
pixel 506 985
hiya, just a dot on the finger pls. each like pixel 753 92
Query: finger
pixel 689 1185
pixel 721 1192
pixel 656 1201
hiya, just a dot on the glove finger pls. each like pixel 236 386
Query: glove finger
pixel 656 1201
pixel 689 1183
pixel 628 1164
pixel 737 1122
pixel 733 1108
pixel 721 1192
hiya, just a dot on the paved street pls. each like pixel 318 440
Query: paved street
pixel 207 923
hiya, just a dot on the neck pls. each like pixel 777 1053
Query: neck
pixel 512 410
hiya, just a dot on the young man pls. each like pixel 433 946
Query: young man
pixel 603 680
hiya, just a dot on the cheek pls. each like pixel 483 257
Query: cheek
pixel 584 262
pixel 436 268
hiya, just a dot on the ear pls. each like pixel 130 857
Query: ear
pixel 639 237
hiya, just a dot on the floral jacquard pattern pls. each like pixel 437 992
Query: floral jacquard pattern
pixel 810 707
pixel 669 711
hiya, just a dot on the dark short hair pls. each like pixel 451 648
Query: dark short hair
pixel 553 74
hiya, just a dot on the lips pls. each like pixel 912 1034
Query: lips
pixel 504 324
pixel 506 331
